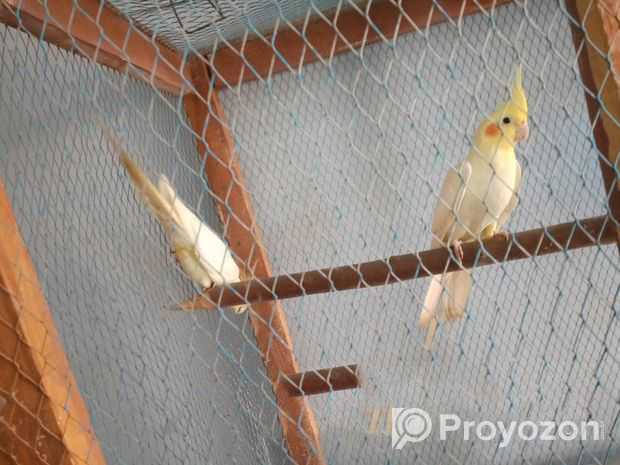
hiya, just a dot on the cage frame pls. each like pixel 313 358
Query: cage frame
pixel 93 29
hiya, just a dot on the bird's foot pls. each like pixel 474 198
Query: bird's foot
pixel 206 289
pixel 503 234
pixel 457 248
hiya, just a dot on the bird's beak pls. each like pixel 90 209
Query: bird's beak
pixel 523 132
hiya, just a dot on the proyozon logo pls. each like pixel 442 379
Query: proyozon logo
pixel 409 425
pixel 415 425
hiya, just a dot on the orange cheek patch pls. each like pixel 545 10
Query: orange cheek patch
pixel 491 130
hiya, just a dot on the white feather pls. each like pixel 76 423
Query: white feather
pixel 201 253
pixel 473 197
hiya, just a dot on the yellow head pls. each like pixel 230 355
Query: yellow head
pixel 508 123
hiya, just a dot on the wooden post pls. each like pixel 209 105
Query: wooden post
pixel 339 32
pixel 536 242
pixel 234 207
pixel 596 35
pixel 315 382
pixel 43 419
pixel 92 29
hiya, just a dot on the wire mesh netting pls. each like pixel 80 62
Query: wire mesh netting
pixel 204 26
pixel 160 386
pixel 343 162
pixel 361 148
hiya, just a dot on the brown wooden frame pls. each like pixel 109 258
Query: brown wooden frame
pixel 96 31
pixel 326 36
pixel 215 146
pixel 596 35
pixel 43 418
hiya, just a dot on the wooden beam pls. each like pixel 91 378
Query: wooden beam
pixel 536 242
pixel 43 419
pixel 234 207
pixel 92 29
pixel 322 381
pixel 596 35
pixel 342 31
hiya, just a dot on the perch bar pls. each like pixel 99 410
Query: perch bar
pixel 314 382
pixel 553 239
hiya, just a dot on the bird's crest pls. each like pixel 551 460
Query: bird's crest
pixel 518 102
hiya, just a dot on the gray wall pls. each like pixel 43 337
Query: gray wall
pixel 161 387
pixel 344 164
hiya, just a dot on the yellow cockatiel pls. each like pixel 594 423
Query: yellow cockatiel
pixel 476 199
pixel 202 254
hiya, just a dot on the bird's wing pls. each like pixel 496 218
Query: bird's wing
pixel 449 202
pixel 512 204
pixel 159 206
pixel 211 250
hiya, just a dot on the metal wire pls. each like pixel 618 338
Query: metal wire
pixel 343 162
pixel 209 32
pixel 160 387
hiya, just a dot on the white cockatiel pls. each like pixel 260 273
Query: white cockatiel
pixel 476 199
pixel 202 254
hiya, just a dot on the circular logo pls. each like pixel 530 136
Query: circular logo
pixel 411 424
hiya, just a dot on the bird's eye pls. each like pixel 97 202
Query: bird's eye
pixel 506 120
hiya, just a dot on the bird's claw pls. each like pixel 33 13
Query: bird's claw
pixel 457 248
pixel 503 234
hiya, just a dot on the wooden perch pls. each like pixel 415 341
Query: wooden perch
pixel 339 32
pixel 314 382
pixel 553 239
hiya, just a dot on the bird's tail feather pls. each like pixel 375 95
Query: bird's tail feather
pixel 446 299
pixel 457 286
pixel 431 302
pixel 149 194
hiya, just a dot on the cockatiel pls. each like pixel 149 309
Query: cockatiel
pixel 476 199
pixel 203 256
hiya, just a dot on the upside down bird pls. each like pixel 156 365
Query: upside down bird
pixel 475 201
pixel 203 256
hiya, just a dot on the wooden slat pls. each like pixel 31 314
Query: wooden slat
pixel 342 32
pixel 391 270
pixel 43 419
pixel 90 28
pixel 596 35
pixel 321 381
pixel 236 214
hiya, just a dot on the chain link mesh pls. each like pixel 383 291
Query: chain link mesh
pixel 160 386
pixel 343 162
